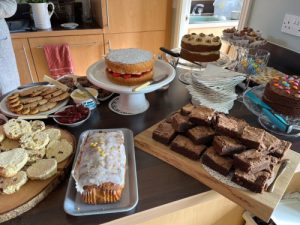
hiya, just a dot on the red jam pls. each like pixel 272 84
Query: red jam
pixel 73 114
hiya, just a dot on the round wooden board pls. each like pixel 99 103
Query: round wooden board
pixel 33 192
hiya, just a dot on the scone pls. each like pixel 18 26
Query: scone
pixel 53 133
pixel 34 155
pixel 15 128
pixel 12 161
pixel 34 141
pixel 12 184
pixel 9 144
pixel 129 66
pixel 59 150
pixel 2 134
pixel 42 169
pixel 37 125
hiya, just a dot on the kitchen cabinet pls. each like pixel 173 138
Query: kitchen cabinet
pixel 24 61
pixel 85 50
pixel 151 41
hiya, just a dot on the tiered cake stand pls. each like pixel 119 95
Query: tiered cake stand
pixel 129 102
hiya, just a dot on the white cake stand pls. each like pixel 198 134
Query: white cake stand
pixel 129 102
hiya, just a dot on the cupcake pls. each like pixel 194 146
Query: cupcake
pixel 251 36
pixel 228 33
pixel 239 35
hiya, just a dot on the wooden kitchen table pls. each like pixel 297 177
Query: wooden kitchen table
pixel 158 182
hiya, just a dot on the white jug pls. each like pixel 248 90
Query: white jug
pixel 41 15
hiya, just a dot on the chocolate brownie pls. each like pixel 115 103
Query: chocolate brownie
pixel 201 115
pixel 187 109
pixel 201 135
pixel 170 118
pixel 186 147
pixel 269 143
pixel 251 160
pixel 229 126
pixel 227 146
pixel 164 133
pixel 255 182
pixel 181 123
pixel 281 149
pixel 252 137
pixel 216 162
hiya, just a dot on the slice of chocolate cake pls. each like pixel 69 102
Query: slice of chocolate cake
pixel 281 149
pixel 181 123
pixel 269 143
pixel 187 109
pixel 255 182
pixel 186 147
pixel 252 137
pixel 216 162
pixel 201 135
pixel 251 161
pixel 230 126
pixel 227 146
pixel 164 133
pixel 201 115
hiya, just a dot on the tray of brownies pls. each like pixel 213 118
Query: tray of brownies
pixel 226 153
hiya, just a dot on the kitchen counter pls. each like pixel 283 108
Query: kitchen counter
pixel 159 184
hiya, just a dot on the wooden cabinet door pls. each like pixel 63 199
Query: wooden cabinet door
pixel 151 41
pixel 135 15
pixel 85 50
pixel 24 61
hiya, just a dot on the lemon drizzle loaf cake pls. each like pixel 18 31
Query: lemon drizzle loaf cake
pixel 100 168
pixel 129 66
pixel 200 48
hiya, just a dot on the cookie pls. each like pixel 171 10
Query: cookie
pixel 34 111
pixel 15 104
pixel 30 100
pixel 34 141
pixel 16 109
pixel 13 100
pixel 13 96
pixel 49 91
pixel 47 106
pixel 32 105
pixel 13 184
pixel 60 97
pixel 29 91
pixel 42 102
pixel 25 111
pixel 54 94
pixel 53 133
pixel 59 150
pixel 36 93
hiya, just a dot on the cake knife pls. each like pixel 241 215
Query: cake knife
pixel 155 80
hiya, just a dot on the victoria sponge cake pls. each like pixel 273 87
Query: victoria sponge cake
pixel 130 66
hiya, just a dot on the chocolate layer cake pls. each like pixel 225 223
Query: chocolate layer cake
pixel 230 126
pixel 251 161
pixel 255 182
pixel 164 133
pixel 216 162
pixel 180 123
pixel 186 147
pixel 252 137
pixel 227 146
pixel 201 135
pixel 282 93
pixel 201 115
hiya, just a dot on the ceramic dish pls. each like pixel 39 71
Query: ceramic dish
pixel 73 204
pixel 71 124
pixel 69 25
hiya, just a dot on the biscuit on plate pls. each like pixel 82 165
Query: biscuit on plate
pixel 31 99
pixel 15 128
pixel 12 184
pixel 59 150
pixel 61 97
pixel 42 169
pixel 47 106
pixel 13 96
pixel 34 141
pixel 11 162
pixel 53 133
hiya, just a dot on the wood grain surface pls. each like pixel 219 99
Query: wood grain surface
pixel 34 191
pixel 261 205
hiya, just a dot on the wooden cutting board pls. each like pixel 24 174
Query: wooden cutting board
pixel 262 205
pixel 33 192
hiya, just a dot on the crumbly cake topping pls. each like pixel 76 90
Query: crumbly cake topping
pixel 287 85
pixel 201 39
pixel 102 159
pixel 129 56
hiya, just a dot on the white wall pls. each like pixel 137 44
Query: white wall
pixel 267 16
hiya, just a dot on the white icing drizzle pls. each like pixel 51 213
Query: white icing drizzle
pixel 129 56
pixel 195 39
pixel 102 159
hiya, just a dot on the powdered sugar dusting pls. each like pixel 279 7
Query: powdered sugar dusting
pixel 129 56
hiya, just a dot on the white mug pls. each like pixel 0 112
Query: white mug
pixel 41 15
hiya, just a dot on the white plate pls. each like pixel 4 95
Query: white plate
pixel 73 204
pixel 97 75
pixel 69 25
pixel 8 113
